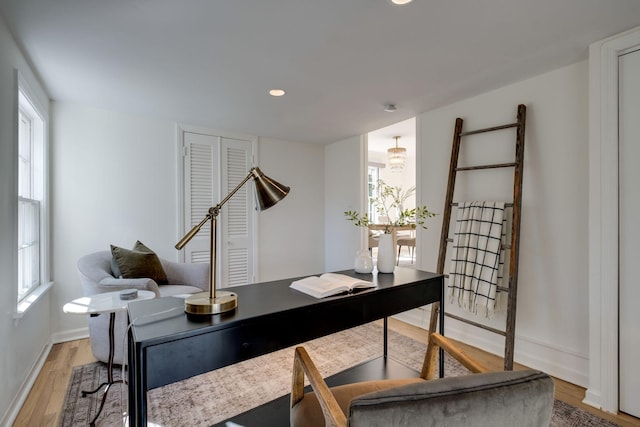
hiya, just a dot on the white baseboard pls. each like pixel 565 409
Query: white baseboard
pixel 593 399
pixel 559 362
pixel 70 335
pixel 20 397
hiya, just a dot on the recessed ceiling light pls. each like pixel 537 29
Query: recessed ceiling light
pixel 389 108
pixel 276 92
pixel 401 2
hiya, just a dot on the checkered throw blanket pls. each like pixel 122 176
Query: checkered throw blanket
pixel 475 258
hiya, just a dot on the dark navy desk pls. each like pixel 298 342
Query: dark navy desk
pixel 270 316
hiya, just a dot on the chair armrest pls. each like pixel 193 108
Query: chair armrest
pixel 111 284
pixel 193 274
pixel 303 365
pixel 437 341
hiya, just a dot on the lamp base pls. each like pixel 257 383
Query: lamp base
pixel 201 304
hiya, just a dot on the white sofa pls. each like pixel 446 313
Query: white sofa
pixel 96 277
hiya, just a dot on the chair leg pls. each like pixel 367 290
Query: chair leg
pixel 398 258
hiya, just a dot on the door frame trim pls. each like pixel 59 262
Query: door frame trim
pixel 603 390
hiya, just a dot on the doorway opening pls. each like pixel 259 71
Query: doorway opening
pixel 384 170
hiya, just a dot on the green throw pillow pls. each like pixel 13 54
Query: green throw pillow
pixel 139 246
pixel 141 262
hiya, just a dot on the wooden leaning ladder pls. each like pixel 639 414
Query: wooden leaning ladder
pixel 511 290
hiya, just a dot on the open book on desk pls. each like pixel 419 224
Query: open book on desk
pixel 329 284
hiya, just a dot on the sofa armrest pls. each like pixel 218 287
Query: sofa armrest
pixel 111 284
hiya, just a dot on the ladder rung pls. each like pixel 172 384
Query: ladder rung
pixel 494 166
pixel 506 205
pixel 473 132
pixel 479 325
pixel 503 246
pixel 498 288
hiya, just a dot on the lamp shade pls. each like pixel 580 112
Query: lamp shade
pixel 268 191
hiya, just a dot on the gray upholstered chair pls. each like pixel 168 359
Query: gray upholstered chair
pixel 97 277
pixel 510 398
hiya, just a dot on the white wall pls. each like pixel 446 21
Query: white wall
pixel 292 232
pixel 344 177
pixel 114 182
pixel 24 341
pixel 552 312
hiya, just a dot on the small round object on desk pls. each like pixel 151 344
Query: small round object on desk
pixel 128 294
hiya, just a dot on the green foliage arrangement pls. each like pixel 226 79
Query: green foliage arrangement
pixel 389 204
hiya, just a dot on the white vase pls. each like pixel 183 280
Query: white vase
pixel 363 262
pixel 386 254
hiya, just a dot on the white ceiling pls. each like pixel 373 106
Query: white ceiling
pixel 382 139
pixel 212 62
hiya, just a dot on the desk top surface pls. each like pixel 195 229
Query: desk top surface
pixel 254 301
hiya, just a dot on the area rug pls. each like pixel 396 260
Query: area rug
pixel 207 399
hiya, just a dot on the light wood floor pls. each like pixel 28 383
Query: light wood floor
pixel 43 406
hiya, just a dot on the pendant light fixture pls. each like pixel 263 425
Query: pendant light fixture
pixel 397 157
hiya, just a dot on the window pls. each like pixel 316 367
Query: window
pixel 32 192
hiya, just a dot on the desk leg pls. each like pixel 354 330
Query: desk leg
pixel 385 339
pixel 110 381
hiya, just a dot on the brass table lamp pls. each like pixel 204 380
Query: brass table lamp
pixel 268 193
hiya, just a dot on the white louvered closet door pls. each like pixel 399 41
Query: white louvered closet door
pixel 201 159
pixel 212 167
pixel 236 231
